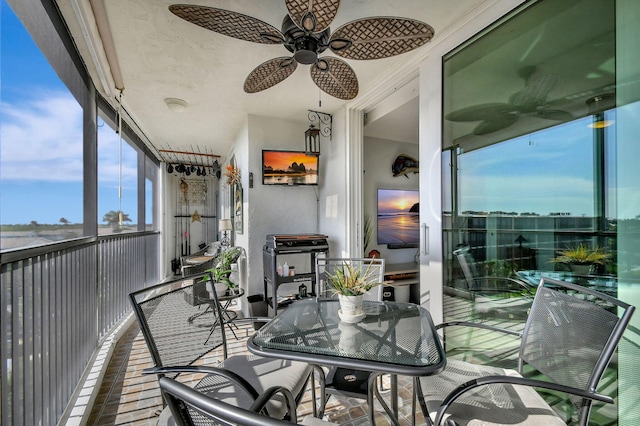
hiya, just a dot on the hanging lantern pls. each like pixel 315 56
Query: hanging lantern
pixel 312 141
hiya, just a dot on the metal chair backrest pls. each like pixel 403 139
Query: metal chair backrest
pixel 468 266
pixel 198 269
pixel 177 331
pixel 571 334
pixel 327 266
pixel 190 407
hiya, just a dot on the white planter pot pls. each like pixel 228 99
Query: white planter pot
pixel 581 269
pixel 348 337
pixel 220 288
pixel 350 305
pixel 350 308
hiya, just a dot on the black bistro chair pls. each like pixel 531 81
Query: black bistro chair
pixel 179 335
pixel 196 408
pixel 569 339
pixel 493 296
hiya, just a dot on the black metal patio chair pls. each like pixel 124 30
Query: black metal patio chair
pixel 492 296
pixel 569 338
pixel 196 408
pixel 178 335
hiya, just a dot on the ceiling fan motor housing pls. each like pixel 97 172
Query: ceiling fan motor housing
pixel 305 50
pixel 304 46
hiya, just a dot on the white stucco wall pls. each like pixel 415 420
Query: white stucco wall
pixel 273 209
pixel 379 155
pixel 332 214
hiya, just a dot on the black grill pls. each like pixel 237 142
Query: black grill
pixel 281 243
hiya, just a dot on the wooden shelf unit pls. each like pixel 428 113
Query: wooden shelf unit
pixel 404 274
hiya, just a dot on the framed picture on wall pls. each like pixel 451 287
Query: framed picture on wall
pixel 237 206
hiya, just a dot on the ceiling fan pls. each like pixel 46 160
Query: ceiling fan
pixel 306 34
pixel 532 100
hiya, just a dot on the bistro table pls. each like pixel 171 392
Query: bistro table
pixel 607 284
pixel 223 304
pixel 393 338
pixel 196 260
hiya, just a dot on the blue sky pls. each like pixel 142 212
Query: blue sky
pixel 531 173
pixel 40 137
pixel 41 154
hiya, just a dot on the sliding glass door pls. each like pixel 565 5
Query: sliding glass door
pixel 539 165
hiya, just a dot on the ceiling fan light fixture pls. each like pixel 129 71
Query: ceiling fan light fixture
pixel 322 65
pixel 597 105
pixel 308 22
pixel 286 62
pixel 339 44
pixel 600 103
pixel 600 124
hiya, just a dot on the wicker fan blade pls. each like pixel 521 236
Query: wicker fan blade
pixel 229 23
pixel 537 87
pixel 482 112
pixel 269 74
pixel 338 79
pixel 375 38
pixel 495 125
pixel 554 114
pixel 312 15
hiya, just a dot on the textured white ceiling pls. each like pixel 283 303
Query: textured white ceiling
pixel 162 56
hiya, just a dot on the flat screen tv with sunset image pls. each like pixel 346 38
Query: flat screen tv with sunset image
pixel 289 168
pixel 399 218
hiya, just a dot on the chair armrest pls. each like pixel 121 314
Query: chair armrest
pixel 223 411
pixel 487 380
pixel 512 285
pixel 478 325
pixel 261 402
pixel 252 319
pixel 229 375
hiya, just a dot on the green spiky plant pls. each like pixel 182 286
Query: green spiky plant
pixel 367 231
pixel 582 255
pixel 349 280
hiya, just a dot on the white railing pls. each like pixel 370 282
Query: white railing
pixel 58 301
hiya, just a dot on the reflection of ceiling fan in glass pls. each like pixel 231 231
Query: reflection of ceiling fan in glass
pixel 306 34
pixel 531 100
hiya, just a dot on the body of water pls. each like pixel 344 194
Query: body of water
pixel 398 228
pixel 290 179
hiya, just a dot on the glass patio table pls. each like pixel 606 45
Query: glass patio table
pixel 393 338
pixel 607 284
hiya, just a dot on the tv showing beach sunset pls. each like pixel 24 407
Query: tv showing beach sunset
pixel 289 168
pixel 399 217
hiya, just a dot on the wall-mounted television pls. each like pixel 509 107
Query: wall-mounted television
pixel 399 218
pixel 289 168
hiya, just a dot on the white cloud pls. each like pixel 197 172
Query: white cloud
pixel 109 158
pixel 42 141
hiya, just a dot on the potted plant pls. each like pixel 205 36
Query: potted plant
pixel 581 259
pixel 219 275
pixel 350 283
